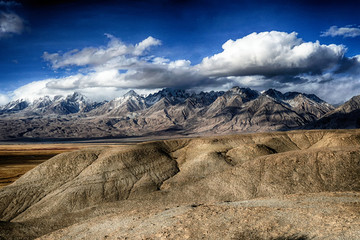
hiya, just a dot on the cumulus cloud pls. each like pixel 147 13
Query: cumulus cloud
pixel 260 60
pixel 348 31
pixel 148 76
pixel 270 54
pixel 115 53
pixel 10 23
pixel 145 44
pixel 120 65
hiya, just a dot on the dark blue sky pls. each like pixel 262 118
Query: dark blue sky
pixel 190 30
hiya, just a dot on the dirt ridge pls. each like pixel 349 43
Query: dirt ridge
pixel 76 190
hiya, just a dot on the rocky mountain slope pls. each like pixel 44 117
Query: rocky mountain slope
pixel 346 116
pixel 284 185
pixel 74 103
pixel 168 111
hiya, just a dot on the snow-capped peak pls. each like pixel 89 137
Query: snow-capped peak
pixel 77 97
pixel 131 93
pixel 246 94
pixel 173 95
pixel 16 105
pixel 274 94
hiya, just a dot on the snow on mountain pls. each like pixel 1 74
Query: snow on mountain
pixel 121 106
pixel 246 94
pixel 14 106
pixel 215 103
pixel 59 105
pixel 205 98
pixel 175 96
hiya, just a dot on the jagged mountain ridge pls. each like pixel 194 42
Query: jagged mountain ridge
pixel 164 112
pixel 346 116
pixel 302 103
pixel 130 102
pixel 59 105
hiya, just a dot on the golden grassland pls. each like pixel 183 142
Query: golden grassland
pixel 17 159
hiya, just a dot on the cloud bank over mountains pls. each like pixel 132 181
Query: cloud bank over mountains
pixel 260 60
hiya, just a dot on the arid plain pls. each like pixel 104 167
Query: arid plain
pixel 18 158
pixel 15 160
pixel 280 185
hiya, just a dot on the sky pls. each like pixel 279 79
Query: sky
pixel 105 48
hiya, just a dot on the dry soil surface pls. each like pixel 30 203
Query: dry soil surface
pixel 17 159
pixel 285 185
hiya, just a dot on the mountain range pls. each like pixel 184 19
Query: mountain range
pixel 173 111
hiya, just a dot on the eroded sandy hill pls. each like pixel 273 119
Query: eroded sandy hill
pixel 288 185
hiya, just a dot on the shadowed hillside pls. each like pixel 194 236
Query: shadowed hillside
pixel 346 116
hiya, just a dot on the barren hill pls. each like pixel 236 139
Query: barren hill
pixel 289 185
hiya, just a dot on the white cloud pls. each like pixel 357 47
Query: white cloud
pixel 116 53
pixel 250 81
pixel 37 89
pixel 10 23
pixel 34 90
pixel 180 64
pixel 260 60
pixel 119 65
pixel 271 53
pixel 147 76
pixel 160 61
pixel 347 31
pixel 145 44
pixel 106 83
pixel 4 99
pixel 333 90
